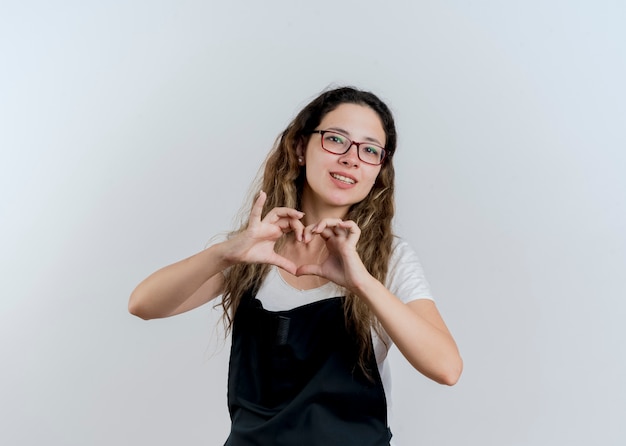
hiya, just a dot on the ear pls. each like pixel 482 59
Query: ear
pixel 301 152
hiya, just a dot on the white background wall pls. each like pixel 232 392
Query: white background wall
pixel 130 132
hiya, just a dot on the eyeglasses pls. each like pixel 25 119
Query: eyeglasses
pixel 339 144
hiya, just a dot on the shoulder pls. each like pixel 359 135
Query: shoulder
pixel 402 254
pixel 405 275
pixel 401 249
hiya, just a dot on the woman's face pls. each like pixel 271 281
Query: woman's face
pixel 336 182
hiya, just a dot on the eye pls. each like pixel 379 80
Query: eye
pixel 334 138
pixel 372 150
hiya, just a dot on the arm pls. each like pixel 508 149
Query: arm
pixel 181 286
pixel 198 279
pixel 415 327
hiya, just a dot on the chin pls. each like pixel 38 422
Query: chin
pixel 345 202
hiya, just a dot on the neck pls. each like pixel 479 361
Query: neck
pixel 315 211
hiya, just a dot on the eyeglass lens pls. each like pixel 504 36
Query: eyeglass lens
pixel 339 144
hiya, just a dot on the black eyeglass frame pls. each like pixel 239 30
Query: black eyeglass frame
pixel 352 143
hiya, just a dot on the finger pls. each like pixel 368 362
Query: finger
pixel 347 230
pixel 334 231
pixel 325 223
pixel 324 227
pixel 353 230
pixel 257 207
pixel 307 234
pixel 291 225
pixel 340 230
pixel 298 229
pixel 279 213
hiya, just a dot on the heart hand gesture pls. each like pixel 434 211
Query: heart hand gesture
pixel 343 265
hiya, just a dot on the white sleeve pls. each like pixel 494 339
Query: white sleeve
pixel 405 276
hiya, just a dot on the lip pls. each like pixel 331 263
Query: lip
pixel 341 184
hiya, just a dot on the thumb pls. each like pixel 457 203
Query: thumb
pixel 283 263
pixel 310 270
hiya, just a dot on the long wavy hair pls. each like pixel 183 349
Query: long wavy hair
pixel 283 180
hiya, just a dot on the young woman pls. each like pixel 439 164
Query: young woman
pixel 315 286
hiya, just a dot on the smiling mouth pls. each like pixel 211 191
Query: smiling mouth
pixel 342 178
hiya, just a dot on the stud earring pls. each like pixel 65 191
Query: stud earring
pixel 300 160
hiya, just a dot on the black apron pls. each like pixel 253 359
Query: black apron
pixel 294 380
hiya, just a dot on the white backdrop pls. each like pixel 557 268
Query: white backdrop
pixel 130 132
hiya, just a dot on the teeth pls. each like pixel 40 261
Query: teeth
pixel 342 178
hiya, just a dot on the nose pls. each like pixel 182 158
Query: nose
pixel 351 157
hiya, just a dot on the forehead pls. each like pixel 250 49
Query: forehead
pixel 359 122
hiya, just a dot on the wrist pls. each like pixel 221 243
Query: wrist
pixel 365 285
pixel 224 253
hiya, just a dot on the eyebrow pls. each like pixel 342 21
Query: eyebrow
pixel 347 133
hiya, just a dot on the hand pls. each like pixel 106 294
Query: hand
pixel 256 243
pixel 343 265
